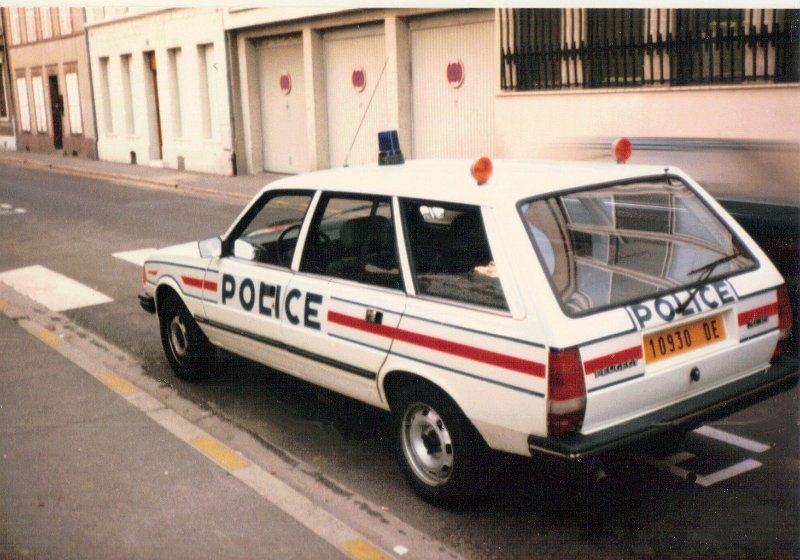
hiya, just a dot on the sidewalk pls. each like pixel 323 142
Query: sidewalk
pixel 85 475
pixel 242 187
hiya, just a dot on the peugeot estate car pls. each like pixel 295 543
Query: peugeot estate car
pixel 526 307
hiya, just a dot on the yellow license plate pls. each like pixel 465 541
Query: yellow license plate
pixel 672 342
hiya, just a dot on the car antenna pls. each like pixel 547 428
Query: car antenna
pixel 369 103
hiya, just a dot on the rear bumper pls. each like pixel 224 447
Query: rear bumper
pixel 719 403
pixel 148 302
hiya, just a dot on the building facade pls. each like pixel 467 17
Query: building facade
pixel 50 80
pixel 288 90
pixel 312 88
pixel 713 91
pixel 8 140
pixel 161 87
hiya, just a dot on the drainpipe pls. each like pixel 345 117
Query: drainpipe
pixel 229 74
pixel 91 84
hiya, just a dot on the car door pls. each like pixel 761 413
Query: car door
pixel 347 297
pixel 252 276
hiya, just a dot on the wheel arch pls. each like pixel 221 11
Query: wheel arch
pixel 165 288
pixel 394 380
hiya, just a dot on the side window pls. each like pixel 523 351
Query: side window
pixel 450 253
pixel 352 237
pixel 270 230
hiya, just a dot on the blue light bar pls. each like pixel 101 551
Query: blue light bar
pixel 389 152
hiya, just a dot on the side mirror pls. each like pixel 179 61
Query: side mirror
pixel 244 250
pixel 210 247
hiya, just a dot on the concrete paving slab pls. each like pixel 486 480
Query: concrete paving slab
pixel 242 187
pixel 85 475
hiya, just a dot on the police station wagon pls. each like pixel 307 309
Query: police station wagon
pixel 526 307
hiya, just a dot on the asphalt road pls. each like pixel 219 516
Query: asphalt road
pixel 534 508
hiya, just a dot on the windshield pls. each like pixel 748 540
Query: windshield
pixel 622 243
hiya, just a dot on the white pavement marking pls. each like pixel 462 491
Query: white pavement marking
pixel 51 289
pixel 730 472
pixel 136 257
pixel 8 210
pixel 733 439
pixel 671 465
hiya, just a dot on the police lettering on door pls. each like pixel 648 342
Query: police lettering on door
pixel 265 299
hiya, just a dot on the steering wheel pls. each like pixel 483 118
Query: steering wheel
pixel 279 244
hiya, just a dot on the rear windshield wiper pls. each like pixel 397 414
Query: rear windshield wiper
pixel 710 267
pixel 707 270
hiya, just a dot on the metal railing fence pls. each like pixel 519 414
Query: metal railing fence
pixel 555 48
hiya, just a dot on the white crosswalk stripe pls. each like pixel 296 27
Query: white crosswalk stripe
pixel 51 289
pixel 733 439
pixel 136 257
pixel 7 209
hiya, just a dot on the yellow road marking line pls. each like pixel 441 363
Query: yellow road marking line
pixel 223 455
pixel 117 383
pixel 49 337
pixel 362 550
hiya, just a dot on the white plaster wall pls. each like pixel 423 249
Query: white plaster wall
pixel 238 18
pixel 528 125
pixel 8 143
pixel 163 30
pixel 743 141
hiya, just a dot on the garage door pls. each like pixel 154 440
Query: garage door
pixel 452 119
pixel 283 106
pixel 353 61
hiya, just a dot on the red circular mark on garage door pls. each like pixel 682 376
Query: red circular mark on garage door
pixel 359 79
pixel 286 83
pixel 455 73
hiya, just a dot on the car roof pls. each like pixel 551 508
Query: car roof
pixel 451 181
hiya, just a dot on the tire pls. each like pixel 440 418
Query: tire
pixel 439 451
pixel 187 349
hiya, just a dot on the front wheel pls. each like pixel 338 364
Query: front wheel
pixel 439 451
pixel 186 347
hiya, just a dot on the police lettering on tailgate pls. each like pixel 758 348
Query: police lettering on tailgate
pixel 709 297
pixel 265 299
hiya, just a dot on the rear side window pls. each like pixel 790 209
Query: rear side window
pixel 450 254
pixel 618 244
pixel 352 237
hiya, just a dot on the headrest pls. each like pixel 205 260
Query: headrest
pixel 354 232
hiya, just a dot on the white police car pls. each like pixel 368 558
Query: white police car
pixel 564 308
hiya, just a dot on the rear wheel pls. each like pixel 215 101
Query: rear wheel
pixel 439 451
pixel 187 349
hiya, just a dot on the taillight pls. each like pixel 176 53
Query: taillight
pixel 566 393
pixel 784 321
pixel 144 276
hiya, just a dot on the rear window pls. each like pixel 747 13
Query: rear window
pixel 619 244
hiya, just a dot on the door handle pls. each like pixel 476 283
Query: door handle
pixel 374 316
